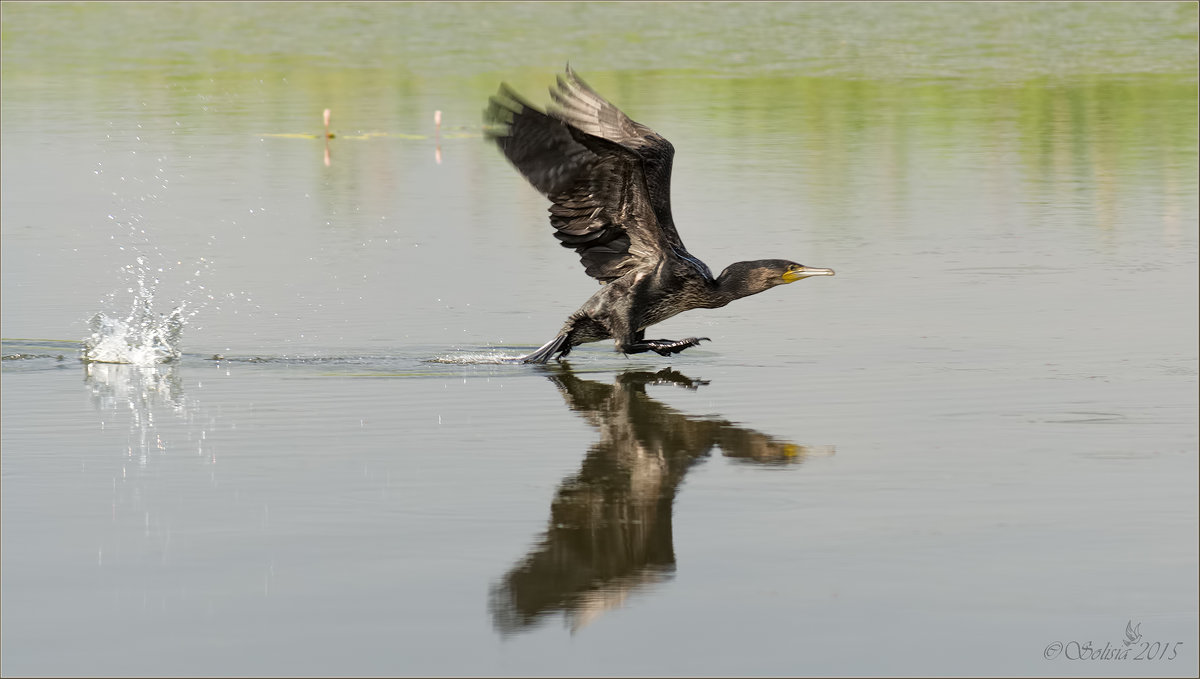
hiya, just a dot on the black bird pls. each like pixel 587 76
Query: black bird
pixel 609 179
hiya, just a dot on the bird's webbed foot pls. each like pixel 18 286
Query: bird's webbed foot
pixel 664 347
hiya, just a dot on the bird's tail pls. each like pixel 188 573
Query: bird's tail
pixel 547 350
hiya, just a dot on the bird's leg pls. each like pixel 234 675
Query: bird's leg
pixel 666 347
pixel 663 347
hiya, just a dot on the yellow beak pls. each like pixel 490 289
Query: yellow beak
pixel 804 272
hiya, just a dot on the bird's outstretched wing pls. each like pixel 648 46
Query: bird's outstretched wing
pixel 607 176
pixel 578 105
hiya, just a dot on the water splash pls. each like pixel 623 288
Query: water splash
pixel 142 337
pixel 476 359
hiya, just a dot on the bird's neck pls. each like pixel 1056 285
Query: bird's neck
pixel 732 284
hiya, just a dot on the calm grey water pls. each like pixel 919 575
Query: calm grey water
pixel 973 451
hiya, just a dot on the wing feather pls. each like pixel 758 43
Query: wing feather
pixel 597 167
pixel 580 106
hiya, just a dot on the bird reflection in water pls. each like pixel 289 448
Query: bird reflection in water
pixel 610 531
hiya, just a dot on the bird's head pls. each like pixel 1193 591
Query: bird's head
pixel 748 278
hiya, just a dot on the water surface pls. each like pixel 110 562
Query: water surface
pixel 978 440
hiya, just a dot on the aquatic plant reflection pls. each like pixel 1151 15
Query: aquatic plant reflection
pixel 610 528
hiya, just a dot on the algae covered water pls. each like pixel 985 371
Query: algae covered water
pixel 297 446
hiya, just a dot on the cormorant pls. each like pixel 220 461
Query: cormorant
pixel 609 179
